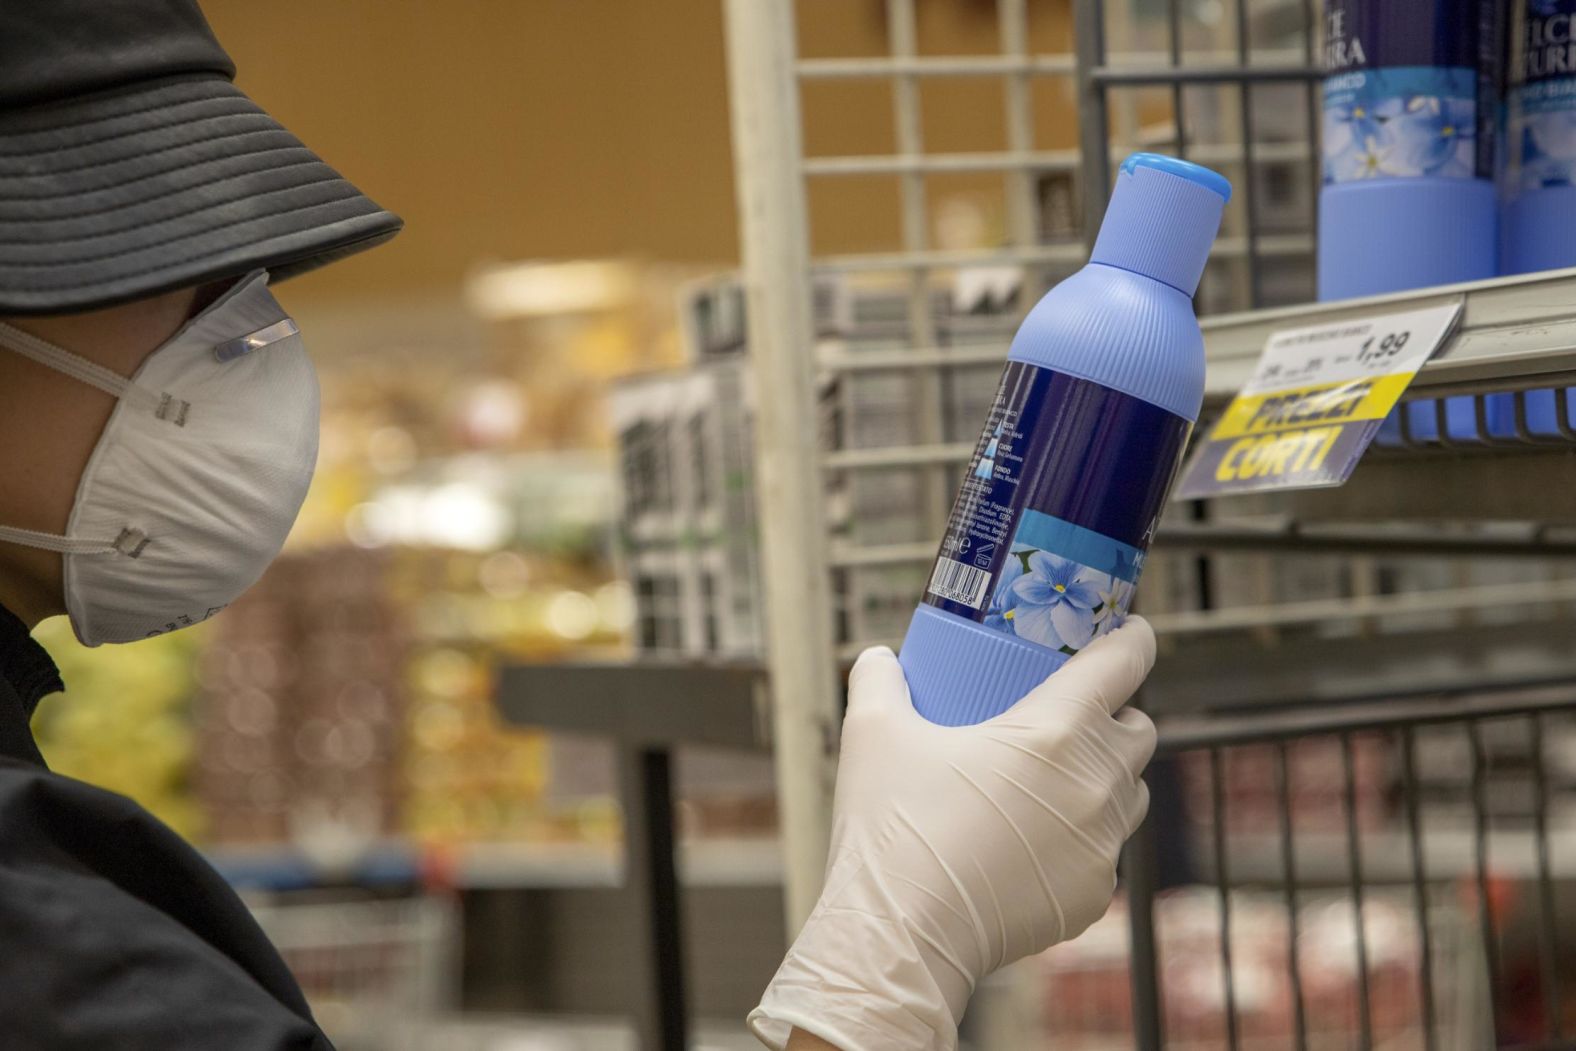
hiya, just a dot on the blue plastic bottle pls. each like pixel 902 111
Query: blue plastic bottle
pixel 1101 389
pixel 1539 183
pixel 1411 94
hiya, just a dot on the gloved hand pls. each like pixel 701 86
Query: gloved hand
pixel 957 850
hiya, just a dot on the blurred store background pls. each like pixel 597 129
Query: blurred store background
pixel 538 448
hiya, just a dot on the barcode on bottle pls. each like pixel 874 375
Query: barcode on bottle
pixel 960 582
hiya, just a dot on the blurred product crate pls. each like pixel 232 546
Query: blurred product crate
pixel 1087 993
pixel 723 794
pixel 688 534
pixel 526 1033
pixel 688 528
pixel 300 706
pixel 712 323
pixel 466 777
pixel 378 974
pixel 1317 786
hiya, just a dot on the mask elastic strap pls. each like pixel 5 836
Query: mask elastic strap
pixel 66 545
pixel 164 406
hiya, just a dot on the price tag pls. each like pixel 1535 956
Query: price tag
pixel 1314 403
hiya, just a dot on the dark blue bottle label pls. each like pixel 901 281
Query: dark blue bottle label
pixel 1540 117
pixel 1050 529
pixel 1411 88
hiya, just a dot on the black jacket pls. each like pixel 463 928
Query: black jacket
pixel 114 933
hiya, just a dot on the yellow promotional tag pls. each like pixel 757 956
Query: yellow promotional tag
pixel 1314 403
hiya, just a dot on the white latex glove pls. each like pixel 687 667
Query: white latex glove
pixel 957 850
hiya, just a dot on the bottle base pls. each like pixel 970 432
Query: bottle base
pixel 960 673
pixel 1536 230
pixel 1535 235
pixel 1391 235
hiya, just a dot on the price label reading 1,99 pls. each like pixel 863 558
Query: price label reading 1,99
pixel 1386 349
pixel 1314 402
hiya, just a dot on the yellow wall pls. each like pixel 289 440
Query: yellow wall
pixel 511 129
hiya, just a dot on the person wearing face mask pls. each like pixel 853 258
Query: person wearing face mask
pixel 158 432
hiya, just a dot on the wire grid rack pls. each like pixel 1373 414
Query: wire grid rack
pixel 1115 88
pixel 1084 998
pixel 1233 85
pixel 1464 829
pixel 378 973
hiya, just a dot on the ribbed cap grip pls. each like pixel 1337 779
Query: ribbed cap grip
pixel 1162 219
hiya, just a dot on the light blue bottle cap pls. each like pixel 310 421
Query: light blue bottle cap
pixel 1162 219
pixel 1206 177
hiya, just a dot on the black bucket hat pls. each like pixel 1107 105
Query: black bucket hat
pixel 131 165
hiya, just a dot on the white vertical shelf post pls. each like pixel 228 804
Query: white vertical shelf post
pixel 774 233
pixel 1022 209
pixel 936 484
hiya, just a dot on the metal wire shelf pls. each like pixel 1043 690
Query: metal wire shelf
pixel 1242 95
pixel 1396 725
pixel 1515 333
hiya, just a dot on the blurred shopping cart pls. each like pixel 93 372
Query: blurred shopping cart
pixel 378 973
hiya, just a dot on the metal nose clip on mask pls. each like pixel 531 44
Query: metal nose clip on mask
pixel 198 476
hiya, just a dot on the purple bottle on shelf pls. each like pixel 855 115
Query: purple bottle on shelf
pixel 1411 105
pixel 1538 220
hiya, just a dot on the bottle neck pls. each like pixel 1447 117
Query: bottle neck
pixel 1161 226
pixel 1129 272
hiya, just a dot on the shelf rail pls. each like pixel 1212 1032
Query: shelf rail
pixel 1515 333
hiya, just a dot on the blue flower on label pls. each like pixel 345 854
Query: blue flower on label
pixel 1548 150
pixel 1400 135
pixel 1537 168
pixel 1000 612
pixel 1365 160
pixel 1115 596
pixel 1554 134
pixel 1346 127
pixel 1056 602
pixel 1429 136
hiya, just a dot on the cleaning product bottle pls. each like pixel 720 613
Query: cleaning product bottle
pixel 1102 386
pixel 1538 230
pixel 1411 96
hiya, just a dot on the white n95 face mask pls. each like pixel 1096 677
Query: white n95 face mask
pixel 199 473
